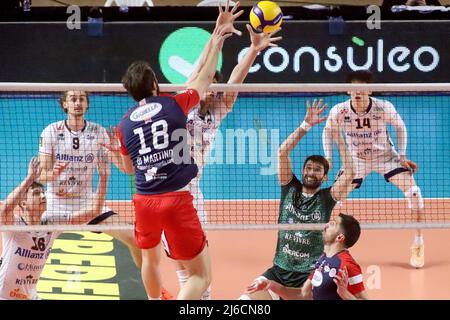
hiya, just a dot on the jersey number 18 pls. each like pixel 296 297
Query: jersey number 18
pixel 159 132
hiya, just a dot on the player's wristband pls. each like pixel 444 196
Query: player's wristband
pixel 305 126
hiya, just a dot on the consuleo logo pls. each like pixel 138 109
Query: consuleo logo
pixel 180 53
pixel 354 54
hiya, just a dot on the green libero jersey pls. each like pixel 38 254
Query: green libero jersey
pixel 298 250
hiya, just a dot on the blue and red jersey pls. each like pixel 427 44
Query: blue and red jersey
pixel 327 268
pixel 154 135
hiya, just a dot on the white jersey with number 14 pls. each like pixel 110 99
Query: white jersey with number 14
pixel 366 133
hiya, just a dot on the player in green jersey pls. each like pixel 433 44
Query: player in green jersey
pixel 304 202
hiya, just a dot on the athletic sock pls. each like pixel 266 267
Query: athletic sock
pixel 183 276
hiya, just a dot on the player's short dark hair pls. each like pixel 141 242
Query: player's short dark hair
pixel 36 185
pixel 139 79
pixel 351 229
pixel 364 76
pixel 63 99
pixel 320 160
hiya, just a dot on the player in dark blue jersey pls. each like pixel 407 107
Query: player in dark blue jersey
pixel 337 276
pixel 304 201
pixel 154 148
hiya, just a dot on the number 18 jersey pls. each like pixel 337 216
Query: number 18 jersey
pixel 154 135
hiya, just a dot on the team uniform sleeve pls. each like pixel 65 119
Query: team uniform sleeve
pixel 327 198
pixel 327 140
pixel 355 278
pixel 392 117
pixel 187 100
pixel 46 141
pixel 123 149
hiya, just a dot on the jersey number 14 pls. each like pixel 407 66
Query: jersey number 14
pixel 365 123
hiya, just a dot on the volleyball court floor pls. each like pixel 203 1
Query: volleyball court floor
pixel 93 266
pixel 238 257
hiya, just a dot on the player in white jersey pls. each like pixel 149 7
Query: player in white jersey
pixel 68 150
pixel 364 120
pixel 25 253
pixel 204 121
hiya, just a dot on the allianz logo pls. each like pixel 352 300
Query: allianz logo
pixel 398 59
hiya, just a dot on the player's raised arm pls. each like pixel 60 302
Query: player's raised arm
pixel 94 208
pixel 259 42
pixel 50 170
pixel 226 18
pixel 112 144
pixel 327 138
pixel 343 186
pixel 13 199
pixel 47 167
pixel 312 118
pixel 206 74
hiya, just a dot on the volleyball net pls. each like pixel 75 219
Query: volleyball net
pixel 240 178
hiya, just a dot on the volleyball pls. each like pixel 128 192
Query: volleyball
pixel 266 16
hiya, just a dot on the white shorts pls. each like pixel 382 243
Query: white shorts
pixel 387 165
pixel 60 210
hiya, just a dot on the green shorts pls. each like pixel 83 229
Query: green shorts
pixel 286 278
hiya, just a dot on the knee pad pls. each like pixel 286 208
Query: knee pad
pixel 414 196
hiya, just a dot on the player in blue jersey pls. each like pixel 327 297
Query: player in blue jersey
pixel 154 147
pixel 205 119
pixel 336 276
